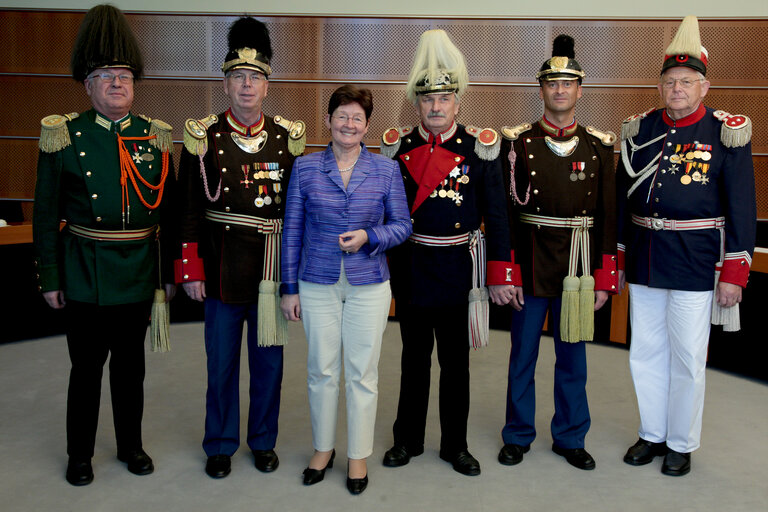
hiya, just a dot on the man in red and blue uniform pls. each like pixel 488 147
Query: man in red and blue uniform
pixel 687 209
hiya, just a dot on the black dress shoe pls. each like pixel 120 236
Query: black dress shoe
pixel 462 462
pixel 512 454
pixel 313 476
pixel 399 456
pixel 218 466
pixel 79 472
pixel 265 461
pixel 357 485
pixel 138 462
pixel 576 457
pixel 643 452
pixel 676 464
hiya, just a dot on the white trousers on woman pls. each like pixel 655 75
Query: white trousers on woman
pixel 341 318
pixel 667 358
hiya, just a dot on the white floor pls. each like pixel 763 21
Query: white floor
pixel 729 471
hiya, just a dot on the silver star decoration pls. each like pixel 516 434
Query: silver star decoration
pixel 454 173
pixel 137 157
pixel 458 198
pixel 673 169
pixel 704 180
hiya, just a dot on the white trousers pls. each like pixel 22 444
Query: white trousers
pixel 341 318
pixel 667 358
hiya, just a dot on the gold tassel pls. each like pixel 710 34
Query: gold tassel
pixel 54 135
pixel 194 145
pixel 296 146
pixel 273 328
pixel 164 140
pixel 478 317
pixel 160 332
pixel 569 311
pixel 587 307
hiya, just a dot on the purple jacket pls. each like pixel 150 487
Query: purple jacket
pixel 319 209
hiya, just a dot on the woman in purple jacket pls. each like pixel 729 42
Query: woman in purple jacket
pixel 345 208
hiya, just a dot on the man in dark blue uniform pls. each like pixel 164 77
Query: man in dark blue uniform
pixel 453 183
pixel 687 215
pixel 561 180
pixel 234 174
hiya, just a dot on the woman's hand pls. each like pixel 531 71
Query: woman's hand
pixel 291 307
pixel 352 241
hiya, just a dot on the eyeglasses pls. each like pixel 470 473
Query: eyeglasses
pixel 110 78
pixel 685 83
pixel 240 77
pixel 343 118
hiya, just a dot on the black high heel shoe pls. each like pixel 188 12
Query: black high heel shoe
pixel 356 485
pixel 313 476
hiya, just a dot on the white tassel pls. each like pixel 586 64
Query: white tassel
pixel 160 329
pixel 479 334
pixel 729 318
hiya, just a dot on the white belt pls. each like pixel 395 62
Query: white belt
pixel 266 226
pixel 678 225
pixel 579 237
pixel 439 241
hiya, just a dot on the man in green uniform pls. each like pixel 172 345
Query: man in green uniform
pixel 106 173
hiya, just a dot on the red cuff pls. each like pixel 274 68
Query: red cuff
pixel 620 260
pixel 190 266
pixel 735 271
pixel 606 277
pixel 504 272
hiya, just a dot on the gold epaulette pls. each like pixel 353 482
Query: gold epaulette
pixel 196 134
pixel 607 138
pixel 297 134
pixel 736 130
pixel 54 135
pixel 391 140
pixel 631 125
pixel 487 142
pixel 513 132
pixel 162 131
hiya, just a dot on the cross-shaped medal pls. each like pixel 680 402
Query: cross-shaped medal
pixel 245 168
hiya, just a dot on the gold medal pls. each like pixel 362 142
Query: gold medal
pixel 450 193
pixel 442 193
pixel 706 156
pixel 697 154
pixel 685 179
pixel 675 159
pixel 433 194
pixel 465 179
pixel 689 155
pixel 696 176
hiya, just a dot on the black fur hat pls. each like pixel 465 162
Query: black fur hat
pixel 105 40
pixel 249 46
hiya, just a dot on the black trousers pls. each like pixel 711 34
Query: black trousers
pixel 93 333
pixel 419 328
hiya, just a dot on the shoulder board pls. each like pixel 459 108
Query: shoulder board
pixel 162 131
pixel 513 132
pixel 631 125
pixel 607 138
pixel 297 134
pixel 54 135
pixel 196 134
pixel 488 144
pixel 736 130
pixel 391 140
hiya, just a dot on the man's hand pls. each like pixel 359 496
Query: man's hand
pixel 195 290
pixel 55 299
pixel 291 307
pixel 501 294
pixel 601 297
pixel 728 294
pixel 170 291
pixel 352 241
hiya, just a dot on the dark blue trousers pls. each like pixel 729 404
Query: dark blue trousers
pixel 223 341
pixel 571 420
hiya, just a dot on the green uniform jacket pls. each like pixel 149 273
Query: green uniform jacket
pixel 80 184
